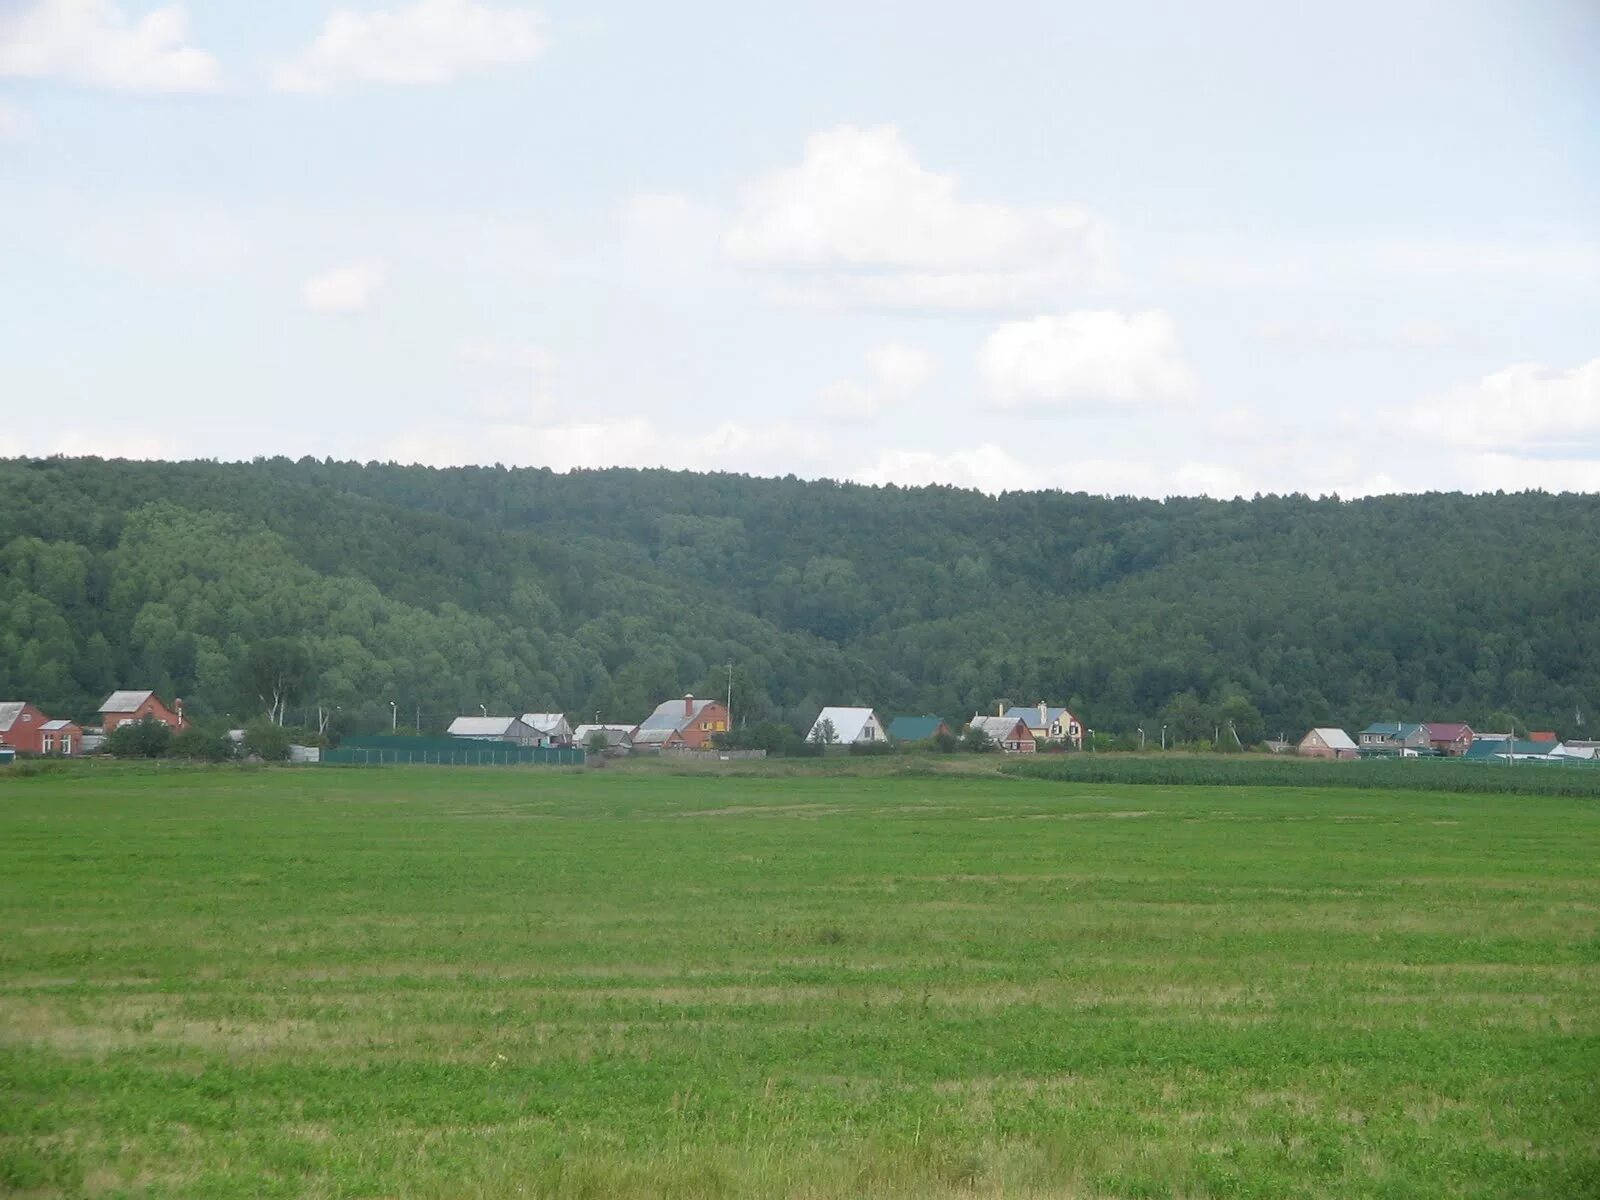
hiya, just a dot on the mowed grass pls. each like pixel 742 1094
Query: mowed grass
pixel 434 982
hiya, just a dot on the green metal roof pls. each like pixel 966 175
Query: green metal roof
pixel 914 729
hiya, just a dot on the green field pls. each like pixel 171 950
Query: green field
pixel 524 982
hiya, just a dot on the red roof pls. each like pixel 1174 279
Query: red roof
pixel 1447 731
pixel 1540 736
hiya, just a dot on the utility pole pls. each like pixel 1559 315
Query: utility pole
pixel 1141 739
pixel 730 695
pixel 1163 737
pixel 394 716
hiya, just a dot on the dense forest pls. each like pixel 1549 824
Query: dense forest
pixel 350 587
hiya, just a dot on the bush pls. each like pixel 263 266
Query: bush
pixel 946 742
pixel 266 741
pixel 204 743
pixel 144 738
pixel 976 741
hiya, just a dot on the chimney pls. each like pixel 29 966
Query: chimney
pixel 1044 714
pixel 688 704
pixel 999 708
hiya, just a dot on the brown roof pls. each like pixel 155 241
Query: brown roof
pixel 1447 731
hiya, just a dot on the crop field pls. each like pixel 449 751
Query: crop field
pixel 533 982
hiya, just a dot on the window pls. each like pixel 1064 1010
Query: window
pixel 27 718
pixel 49 742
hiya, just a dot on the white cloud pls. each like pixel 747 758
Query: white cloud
pixel 429 42
pixel 869 225
pixel 349 288
pixel 93 42
pixel 632 441
pixel 896 372
pixel 1085 357
pixel 523 379
pixel 1510 473
pixel 15 124
pixel 1315 264
pixel 1323 335
pixel 987 467
pixel 1525 405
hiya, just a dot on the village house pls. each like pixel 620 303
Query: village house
pixel 850 726
pixel 552 728
pixel 1450 737
pixel 916 729
pixel 695 722
pixel 26 729
pixel 1047 722
pixel 653 741
pixel 1327 743
pixel 121 707
pixel 1394 737
pixel 1010 734
pixel 494 729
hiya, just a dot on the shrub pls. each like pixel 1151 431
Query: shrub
pixel 144 738
pixel 205 743
pixel 266 741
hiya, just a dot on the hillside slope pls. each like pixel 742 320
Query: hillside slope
pixel 605 590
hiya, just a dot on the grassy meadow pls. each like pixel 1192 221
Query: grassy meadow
pixel 524 982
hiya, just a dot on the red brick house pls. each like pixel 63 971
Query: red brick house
pixel 60 737
pixel 21 726
pixel 27 730
pixel 121 707
pixel 695 721
pixel 1450 737
pixel 1010 734
pixel 1327 742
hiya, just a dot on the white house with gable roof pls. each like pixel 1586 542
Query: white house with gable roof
pixel 850 726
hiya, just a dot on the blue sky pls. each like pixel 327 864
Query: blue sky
pixel 1151 248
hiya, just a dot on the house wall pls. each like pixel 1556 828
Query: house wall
pixel 1312 746
pixel 1020 741
pixel 24 732
pixel 708 722
pixel 67 740
pixel 153 707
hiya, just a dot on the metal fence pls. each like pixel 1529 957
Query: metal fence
pixel 448 752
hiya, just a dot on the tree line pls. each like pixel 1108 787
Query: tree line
pixel 321 593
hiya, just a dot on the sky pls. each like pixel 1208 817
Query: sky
pixel 1144 248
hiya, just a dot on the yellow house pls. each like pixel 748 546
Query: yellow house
pixel 1047 722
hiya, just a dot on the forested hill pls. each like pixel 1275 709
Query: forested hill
pixel 608 590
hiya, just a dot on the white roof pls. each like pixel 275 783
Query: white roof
pixel 848 723
pixel 55 725
pixel 124 701
pixel 10 710
pixel 998 728
pixel 1334 739
pixel 1565 751
pixel 547 722
pixel 484 727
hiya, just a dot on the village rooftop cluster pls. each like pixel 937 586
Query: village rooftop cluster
pixel 693 726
